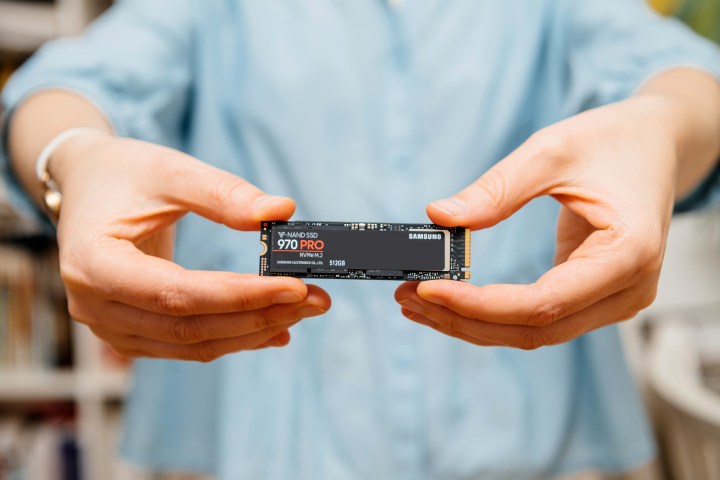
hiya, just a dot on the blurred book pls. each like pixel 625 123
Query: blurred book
pixel 38 449
pixel 12 223
pixel 17 285
pixel 34 323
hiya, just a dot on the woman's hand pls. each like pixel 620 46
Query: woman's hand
pixel 121 199
pixel 613 169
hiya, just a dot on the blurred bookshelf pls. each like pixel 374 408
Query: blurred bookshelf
pixel 61 390
pixel 26 24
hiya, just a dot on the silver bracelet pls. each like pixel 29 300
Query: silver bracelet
pixel 52 198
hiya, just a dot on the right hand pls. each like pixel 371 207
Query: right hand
pixel 121 199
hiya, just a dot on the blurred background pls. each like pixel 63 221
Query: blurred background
pixel 61 391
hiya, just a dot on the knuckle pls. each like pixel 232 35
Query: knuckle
pixel 89 321
pixel 654 259
pixel 185 330
pixel 494 185
pixel 69 275
pixel 453 324
pixel 531 339
pixel 645 254
pixel 266 319
pixel 173 300
pixel 224 191
pixel 646 298
pixel 650 260
pixel 277 315
pixel 203 353
pixel 72 274
pixel 241 302
pixel 546 314
pixel 100 333
pixel 550 145
pixel 76 309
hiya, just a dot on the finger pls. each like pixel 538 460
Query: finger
pixel 119 272
pixel 406 290
pixel 601 267
pixel 523 175
pixel 129 353
pixel 621 306
pixel 223 197
pixel 122 319
pixel 423 320
pixel 280 340
pixel 204 351
pixel 447 321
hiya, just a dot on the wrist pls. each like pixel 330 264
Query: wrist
pixel 51 194
pixel 669 115
pixel 697 146
pixel 696 96
pixel 668 119
pixel 67 158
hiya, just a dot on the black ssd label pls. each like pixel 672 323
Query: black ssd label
pixel 366 249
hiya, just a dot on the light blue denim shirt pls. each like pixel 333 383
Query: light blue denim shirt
pixel 364 111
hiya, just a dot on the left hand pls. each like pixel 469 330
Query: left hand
pixel 613 169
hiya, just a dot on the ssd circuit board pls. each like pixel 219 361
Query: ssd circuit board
pixel 371 251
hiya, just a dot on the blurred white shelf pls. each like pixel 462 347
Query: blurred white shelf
pixel 26 385
pixel 22 385
pixel 24 26
pixel 108 384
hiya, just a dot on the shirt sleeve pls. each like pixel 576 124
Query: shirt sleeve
pixel 617 45
pixel 133 63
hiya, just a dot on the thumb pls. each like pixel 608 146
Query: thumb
pixel 496 195
pixel 226 198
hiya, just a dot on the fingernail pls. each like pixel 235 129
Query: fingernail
pixel 310 311
pixel 412 305
pixel 288 296
pixel 267 200
pixel 452 206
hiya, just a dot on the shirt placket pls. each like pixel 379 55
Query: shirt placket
pixel 404 381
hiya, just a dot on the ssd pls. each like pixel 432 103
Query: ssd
pixel 372 251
